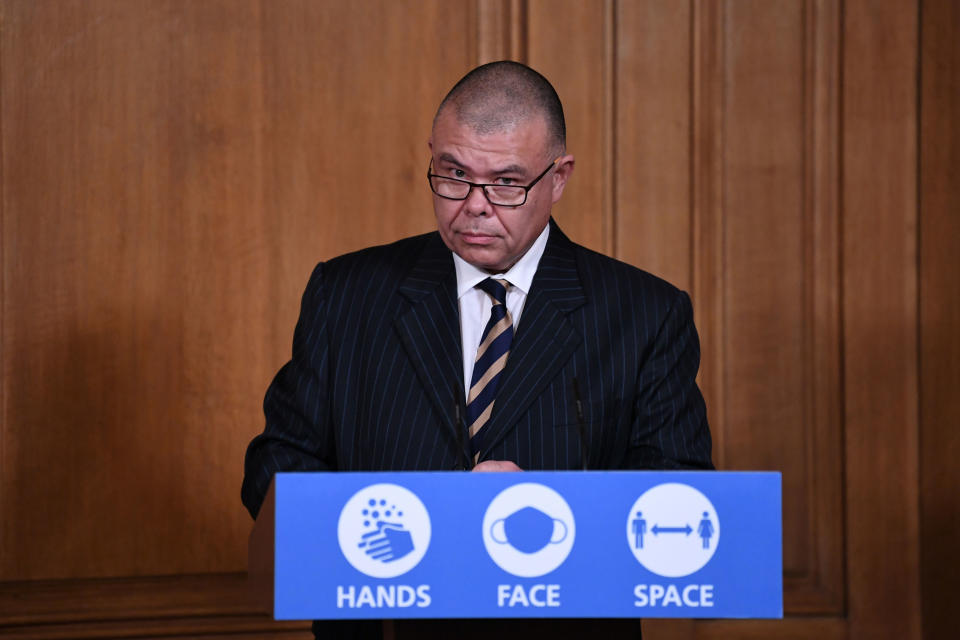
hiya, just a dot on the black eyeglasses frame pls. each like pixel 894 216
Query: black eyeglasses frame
pixel 483 186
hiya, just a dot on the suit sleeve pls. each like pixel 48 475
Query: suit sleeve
pixel 297 435
pixel 669 429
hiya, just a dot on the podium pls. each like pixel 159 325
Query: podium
pixel 571 544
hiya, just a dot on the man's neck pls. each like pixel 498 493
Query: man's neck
pixel 519 275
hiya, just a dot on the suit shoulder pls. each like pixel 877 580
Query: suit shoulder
pixel 596 267
pixel 393 259
pixel 406 249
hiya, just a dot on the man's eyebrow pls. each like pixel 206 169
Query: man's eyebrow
pixel 446 157
pixel 512 168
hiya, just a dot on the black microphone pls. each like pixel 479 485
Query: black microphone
pixel 581 427
pixel 461 430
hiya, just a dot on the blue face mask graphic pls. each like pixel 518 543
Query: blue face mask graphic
pixel 528 530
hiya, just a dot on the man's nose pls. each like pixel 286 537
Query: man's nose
pixel 476 203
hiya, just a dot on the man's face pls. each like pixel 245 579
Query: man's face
pixel 487 236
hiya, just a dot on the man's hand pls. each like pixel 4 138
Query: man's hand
pixel 497 465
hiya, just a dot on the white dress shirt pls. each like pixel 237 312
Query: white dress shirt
pixel 475 304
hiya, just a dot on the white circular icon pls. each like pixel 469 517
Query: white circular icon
pixel 528 530
pixel 384 530
pixel 673 530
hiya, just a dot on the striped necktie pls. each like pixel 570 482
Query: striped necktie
pixel 491 360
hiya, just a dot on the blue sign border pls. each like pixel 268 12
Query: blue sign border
pixel 598 579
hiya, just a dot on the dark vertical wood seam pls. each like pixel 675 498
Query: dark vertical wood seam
pixel 825 28
pixel 3 278
pixel 841 317
pixel 707 199
pixel 809 210
pixel 692 130
pixel 693 178
pixel 474 31
pixel 918 300
pixel 720 28
pixel 841 296
pixel 610 138
pixel 518 31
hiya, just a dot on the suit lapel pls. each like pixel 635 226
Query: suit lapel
pixel 545 338
pixel 430 328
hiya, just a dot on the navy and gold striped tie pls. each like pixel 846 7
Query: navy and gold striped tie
pixel 490 363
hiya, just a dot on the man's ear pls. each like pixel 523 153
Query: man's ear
pixel 561 174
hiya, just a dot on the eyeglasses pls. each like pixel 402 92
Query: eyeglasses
pixel 501 195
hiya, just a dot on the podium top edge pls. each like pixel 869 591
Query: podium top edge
pixel 540 473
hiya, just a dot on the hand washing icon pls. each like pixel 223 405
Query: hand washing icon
pixel 383 530
pixel 528 530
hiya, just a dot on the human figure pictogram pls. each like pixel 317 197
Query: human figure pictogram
pixel 639 527
pixel 705 530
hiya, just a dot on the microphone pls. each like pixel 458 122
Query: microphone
pixel 461 429
pixel 581 427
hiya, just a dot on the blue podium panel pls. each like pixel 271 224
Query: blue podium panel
pixel 533 544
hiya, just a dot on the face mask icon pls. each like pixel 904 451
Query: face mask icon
pixel 528 530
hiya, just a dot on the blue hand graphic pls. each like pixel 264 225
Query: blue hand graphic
pixel 388 542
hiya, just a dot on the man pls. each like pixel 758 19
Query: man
pixel 495 341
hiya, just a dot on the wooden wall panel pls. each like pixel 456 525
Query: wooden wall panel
pixel 501 32
pixel 763 234
pixel 148 607
pixel 880 317
pixel 132 227
pixel 567 41
pixel 706 185
pixel 172 171
pixel 652 163
pixel 939 315
pixel 765 183
pixel 779 280
pixel 819 586
pixel 347 159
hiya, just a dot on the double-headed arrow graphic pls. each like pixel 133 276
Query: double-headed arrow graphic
pixel 657 530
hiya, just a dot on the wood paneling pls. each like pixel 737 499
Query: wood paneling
pixel 567 41
pixel 780 332
pixel 132 227
pixel 172 171
pixel 652 206
pixel 939 315
pixel 706 183
pixel 819 587
pixel 765 170
pixel 880 318
pixel 139 607
pixel 501 32
pixel 763 227
pixel 804 628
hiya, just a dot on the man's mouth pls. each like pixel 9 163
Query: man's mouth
pixel 472 237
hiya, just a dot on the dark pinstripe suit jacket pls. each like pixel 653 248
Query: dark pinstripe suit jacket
pixel 377 369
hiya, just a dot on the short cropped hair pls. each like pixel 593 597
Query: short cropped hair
pixel 499 95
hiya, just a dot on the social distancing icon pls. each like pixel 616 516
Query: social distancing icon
pixel 673 530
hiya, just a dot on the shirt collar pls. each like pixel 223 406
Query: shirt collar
pixel 520 275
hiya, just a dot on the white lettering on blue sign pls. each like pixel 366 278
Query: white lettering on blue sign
pixel 539 595
pixel 657 595
pixel 384 596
